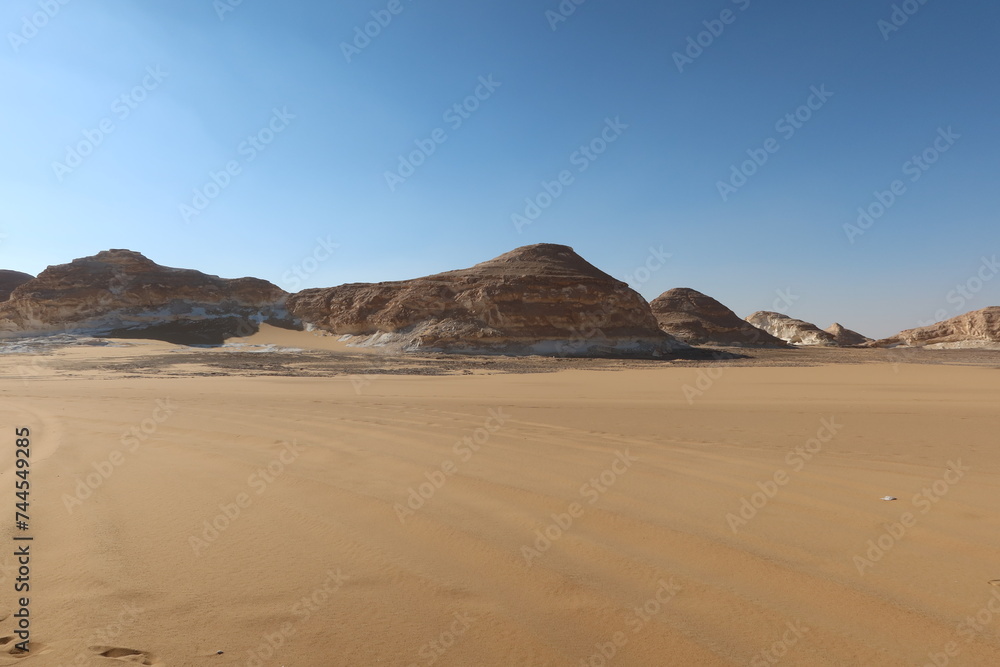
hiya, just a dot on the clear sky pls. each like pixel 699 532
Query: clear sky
pixel 626 123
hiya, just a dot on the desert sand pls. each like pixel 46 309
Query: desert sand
pixel 660 513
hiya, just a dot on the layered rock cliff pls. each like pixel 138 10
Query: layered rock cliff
pixel 845 337
pixel 120 292
pixel 791 330
pixel 9 280
pixel 980 328
pixel 698 319
pixel 539 299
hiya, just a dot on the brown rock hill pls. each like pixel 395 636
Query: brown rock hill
pixel 698 319
pixel 791 330
pixel 9 280
pixel 844 337
pixel 539 299
pixel 980 328
pixel 122 293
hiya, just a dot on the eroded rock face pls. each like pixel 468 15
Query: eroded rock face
pixel 539 299
pixel 9 280
pixel 790 329
pixel 698 319
pixel 844 337
pixel 123 291
pixel 980 328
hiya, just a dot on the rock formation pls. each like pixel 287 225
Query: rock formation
pixel 539 299
pixel 844 337
pixel 698 319
pixel 791 330
pixel 122 293
pixel 980 328
pixel 9 280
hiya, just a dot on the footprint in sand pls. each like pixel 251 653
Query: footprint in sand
pixel 995 582
pixel 8 645
pixel 128 655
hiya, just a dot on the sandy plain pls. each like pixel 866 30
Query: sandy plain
pixel 287 501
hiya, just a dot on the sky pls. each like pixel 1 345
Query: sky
pixel 834 161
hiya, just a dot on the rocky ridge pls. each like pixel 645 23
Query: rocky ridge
pixel 538 299
pixel 791 330
pixel 845 337
pixel 10 280
pixel 699 319
pixel 979 328
pixel 121 292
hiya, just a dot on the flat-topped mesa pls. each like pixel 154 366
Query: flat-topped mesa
pixel 845 337
pixel 699 319
pixel 791 330
pixel 123 293
pixel 977 329
pixel 10 280
pixel 539 299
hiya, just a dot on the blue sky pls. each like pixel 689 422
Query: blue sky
pixel 116 113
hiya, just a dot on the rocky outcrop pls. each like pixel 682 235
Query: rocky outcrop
pixel 120 292
pixel 980 328
pixel 698 319
pixel 790 329
pixel 9 280
pixel 539 299
pixel 844 337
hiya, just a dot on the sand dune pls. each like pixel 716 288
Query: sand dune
pixel 280 519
